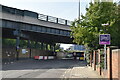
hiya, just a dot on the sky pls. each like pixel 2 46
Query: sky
pixel 65 9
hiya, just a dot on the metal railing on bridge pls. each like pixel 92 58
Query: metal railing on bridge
pixel 54 19
pixel 19 12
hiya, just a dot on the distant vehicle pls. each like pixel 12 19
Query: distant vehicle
pixel 69 55
pixel 79 55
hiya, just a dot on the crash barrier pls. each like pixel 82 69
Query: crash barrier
pixel 43 57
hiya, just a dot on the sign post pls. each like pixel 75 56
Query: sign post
pixel 104 39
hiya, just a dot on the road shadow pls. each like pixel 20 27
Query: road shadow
pixel 32 64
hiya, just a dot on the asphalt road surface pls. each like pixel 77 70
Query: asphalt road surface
pixel 39 68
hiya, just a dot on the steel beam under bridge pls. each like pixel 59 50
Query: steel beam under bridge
pixel 33 28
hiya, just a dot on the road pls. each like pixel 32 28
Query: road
pixel 40 68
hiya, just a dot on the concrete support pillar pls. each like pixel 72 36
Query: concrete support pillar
pixel 17 47
pixel 29 47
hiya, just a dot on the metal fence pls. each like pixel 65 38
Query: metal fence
pixel 35 15
pixel 54 19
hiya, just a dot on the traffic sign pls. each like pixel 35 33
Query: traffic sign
pixel 104 39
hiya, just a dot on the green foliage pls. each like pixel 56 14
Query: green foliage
pixel 85 35
pixel 58 50
pixel 86 30
pixel 57 46
pixel 101 59
pixel 49 47
pixel 102 65
pixel 115 28
pixel 99 13
pixel 101 52
pixel 9 42
pixel 33 44
pixel 23 43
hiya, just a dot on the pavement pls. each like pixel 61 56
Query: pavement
pixel 81 72
pixel 56 69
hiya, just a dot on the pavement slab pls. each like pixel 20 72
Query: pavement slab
pixel 81 73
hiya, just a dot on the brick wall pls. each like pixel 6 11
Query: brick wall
pixel 119 64
pixel 38 52
pixel 9 54
pixel 113 63
pixel 109 56
pixel 116 63
pixel 24 56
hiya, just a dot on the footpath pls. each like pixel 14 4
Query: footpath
pixel 84 72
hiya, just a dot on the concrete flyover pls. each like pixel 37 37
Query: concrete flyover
pixel 33 26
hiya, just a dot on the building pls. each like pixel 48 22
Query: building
pixel 77 48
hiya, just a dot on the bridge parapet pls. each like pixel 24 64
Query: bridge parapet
pixel 32 14
pixel 53 19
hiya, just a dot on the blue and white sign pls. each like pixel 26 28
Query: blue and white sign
pixel 104 39
pixel 23 51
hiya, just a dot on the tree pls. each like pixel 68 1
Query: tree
pixel 115 29
pixel 85 35
pixel 57 47
pixel 23 43
pixel 86 31
pixel 9 42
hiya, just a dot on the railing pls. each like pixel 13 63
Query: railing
pixel 35 15
pixel 54 19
